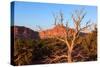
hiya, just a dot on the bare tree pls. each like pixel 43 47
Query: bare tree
pixel 61 17
pixel 77 18
pixel 55 18
pixel 58 18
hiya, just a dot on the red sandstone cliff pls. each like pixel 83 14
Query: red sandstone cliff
pixel 23 32
pixel 58 30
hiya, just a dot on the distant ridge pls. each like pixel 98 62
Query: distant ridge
pixel 27 33
pixel 24 32
pixel 58 30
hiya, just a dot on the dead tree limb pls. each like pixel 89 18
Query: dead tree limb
pixel 77 18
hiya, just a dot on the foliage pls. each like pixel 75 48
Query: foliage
pixel 54 51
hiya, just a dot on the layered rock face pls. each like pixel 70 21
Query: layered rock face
pixel 25 33
pixel 57 31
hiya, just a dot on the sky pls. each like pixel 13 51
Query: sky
pixel 33 14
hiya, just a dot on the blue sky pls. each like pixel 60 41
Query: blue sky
pixel 32 14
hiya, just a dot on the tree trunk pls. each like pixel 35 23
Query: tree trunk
pixel 69 56
pixel 69 52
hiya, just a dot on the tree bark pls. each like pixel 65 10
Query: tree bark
pixel 69 56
